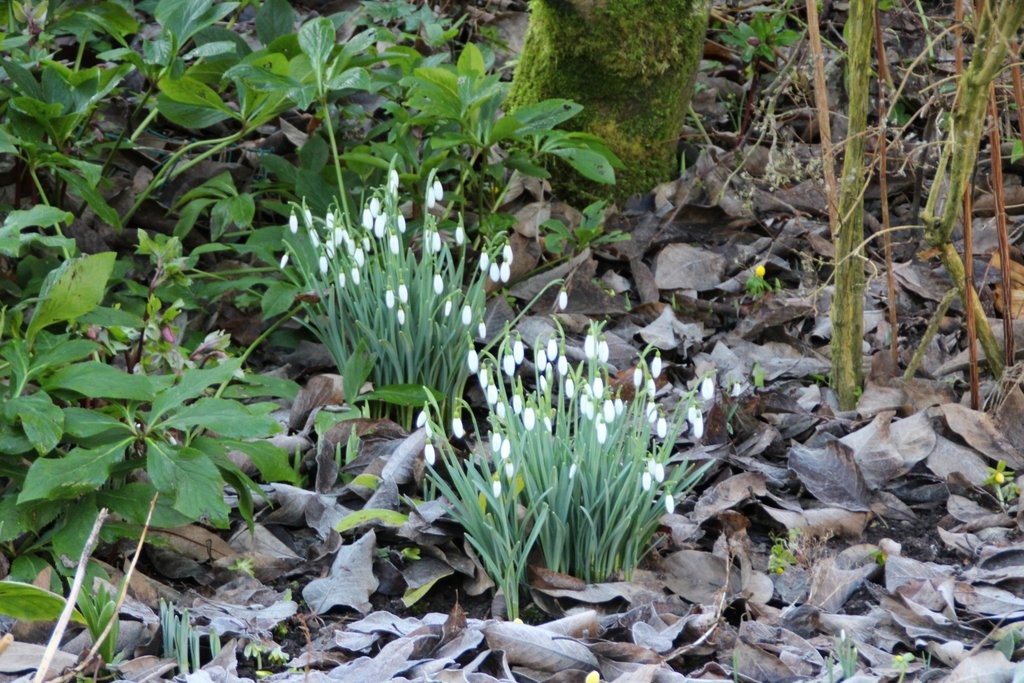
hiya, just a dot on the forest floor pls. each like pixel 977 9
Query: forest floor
pixel 872 544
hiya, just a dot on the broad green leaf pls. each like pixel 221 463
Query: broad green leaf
pixel 83 423
pixel 80 471
pixel 271 461
pixel 382 517
pixel 192 384
pixel 83 189
pixel 471 62
pixel 588 163
pixel 403 395
pixel 26 602
pixel 74 526
pixel 188 115
pixel 413 595
pixel 131 501
pixel 188 477
pixel 545 115
pixel 39 215
pixel 41 421
pixel 61 351
pixel 188 90
pixel 93 379
pixel 275 18
pixel 356 78
pixel 278 298
pixel 227 418
pixel 184 18
pixel 73 289
pixel 316 40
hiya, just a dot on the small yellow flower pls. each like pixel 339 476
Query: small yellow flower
pixel 517 620
pixel 592 677
pixel 999 478
pixel 759 270
pixel 780 570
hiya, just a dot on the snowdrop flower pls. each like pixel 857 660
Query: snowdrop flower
pixel 366 245
pixel 602 432
pixel 608 411
pixel 473 361
pixel 494 272
pixel 438 190
pixel 518 351
pixel 496 488
pixel 508 365
pixel 360 258
pixel 590 347
pixel 602 351
pixel 403 293
pixel 438 284
pixel 485 262
pixel 541 360
pixel 484 377
pixel 707 389
pixel 542 383
pixel 355 275
pixel 548 425
pixel 638 377
pixel 620 407
pixel 656 367
pixel 329 248
pixel 529 419
pixel 374 207
pixel 510 470
pixel 570 387
pixel 330 221
pixel 659 472
pixel 401 316
pixel 284 261
pixel 367 220
pixel 421 419
pixel 563 300
pixel 696 420
pixel 505 273
pixel 308 216
pixel 435 242
pixel 431 200
pixel 460 235
pixel 737 389
pixel 651 410
pixel 380 225
pixel 670 504
pixel 506 253
pixel 563 365
pixel 491 394
pixel 652 388
pixel 341 280
pixel 517 403
pixel 323 265
pixel 393 245
pixel 481 330
pixel 552 349
pixel 467 315
pixel 496 441
pixel 506 449
pixel 429 455
pixel 314 239
pixel 389 299
pixel 572 471
pixel 447 308
pixel 458 430
pixel 400 222
pixel 598 387
pixel 293 223
pixel 645 481
pixel 662 427
pixel 393 181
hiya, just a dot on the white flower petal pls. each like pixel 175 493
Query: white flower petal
pixel 656 367
pixel 670 504
pixel 563 300
pixel 505 273
pixel 323 265
pixel 496 488
pixel 293 223
pixel 529 419
pixel 645 481
pixel 438 284
pixel 429 455
pixel 707 389
pixel 458 429
pixel 438 190
pixel 662 428
pixel 481 330
pixel 494 272
pixel 403 293
pixel 460 235
pixel 473 361
pixel 284 261
pixel 374 207
pixel 518 351
pixel 467 315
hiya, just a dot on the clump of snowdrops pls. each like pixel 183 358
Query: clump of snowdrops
pixel 393 305
pixel 570 467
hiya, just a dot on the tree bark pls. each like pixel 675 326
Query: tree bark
pixel 631 64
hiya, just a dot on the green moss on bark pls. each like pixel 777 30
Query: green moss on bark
pixel 630 63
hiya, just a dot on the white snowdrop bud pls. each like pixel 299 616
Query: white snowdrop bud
pixel 359 257
pixel 380 225
pixel 620 407
pixel 651 411
pixel 496 488
pixel 707 389
pixel 438 190
pixel 496 441
pixel 548 425
pixel 506 449
pixel 367 220
pixel 563 300
pixel 505 272
pixel 542 360
pixel 608 410
pixel 367 247
pixel 484 378
pixel 330 221
pixel 403 293
pixel 552 349
pixel 438 284
pixel 341 280
pixel 692 413
pixel 430 200
pixel 598 387
pixel 602 432
pixel 586 407
pixel 389 299
pixel 510 470
pixel 602 351
pixel 638 378
pixel 393 181
pixel 508 365
pixel 435 242
pixel 329 248
pixel 429 455
pixel 670 504
pixel 698 426
pixel 485 262
pixel 570 387
pixel 659 472
pixel 448 308
pixel 737 389
pixel 481 330
pixel 467 315
pixel 656 367
pixel 374 207
pixel 542 383
pixel 293 223
pixel 284 261
pixel 572 471
pixel 518 351
pixel 645 481
pixel 421 419
pixel 355 275
pixel 401 315
pixel 506 253
pixel 314 239
pixel 529 419
pixel 473 361
pixel 652 388
pixel 563 365
pixel 662 427
pixel 460 236
pixel 323 265
pixel 494 272
pixel 517 403
pixel 308 216
pixel 590 347
pixel 393 245
pixel 458 430
pixel 492 394
pixel 400 222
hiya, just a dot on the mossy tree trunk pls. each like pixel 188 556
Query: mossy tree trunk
pixel 630 63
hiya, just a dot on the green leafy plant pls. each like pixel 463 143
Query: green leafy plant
pixel 901 663
pixel 758 286
pixel 1001 481
pixel 846 654
pixel 571 466
pixel 365 287
pixel 181 641
pixel 99 608
pixel 782 554
pixel 562 240
pixel 761 37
